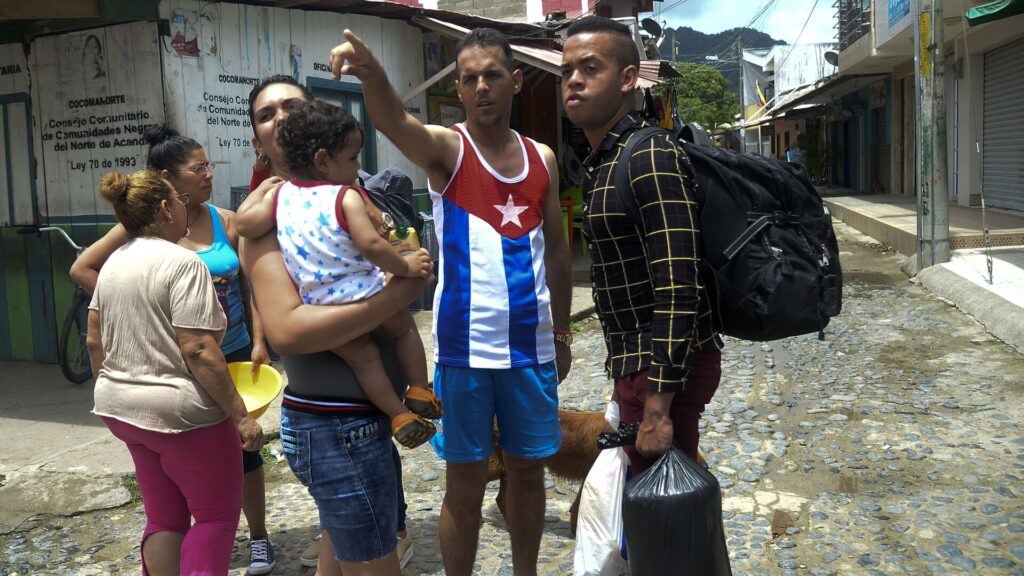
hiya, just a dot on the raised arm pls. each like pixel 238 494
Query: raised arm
pixel 433 148
pixel 296 328
pixel 255 216
pixel 86 268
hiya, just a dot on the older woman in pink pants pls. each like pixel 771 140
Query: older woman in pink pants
pixel 162 386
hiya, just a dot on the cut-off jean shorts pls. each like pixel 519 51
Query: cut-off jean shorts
pixel 347 464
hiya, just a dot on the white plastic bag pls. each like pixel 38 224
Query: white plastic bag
pixel 600 547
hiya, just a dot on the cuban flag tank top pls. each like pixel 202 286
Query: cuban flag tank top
pixel 491 305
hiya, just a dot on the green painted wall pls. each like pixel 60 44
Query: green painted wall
pixel 35 290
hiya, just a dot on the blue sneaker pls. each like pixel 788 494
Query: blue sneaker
pixel 261 556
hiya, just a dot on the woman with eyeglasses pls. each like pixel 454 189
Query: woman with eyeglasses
pixel 162 386
pixel 210 233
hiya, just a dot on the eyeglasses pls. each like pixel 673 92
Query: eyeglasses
pixel 200 170
pixel 183 198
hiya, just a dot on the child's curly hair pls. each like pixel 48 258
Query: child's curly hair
pixel 313 126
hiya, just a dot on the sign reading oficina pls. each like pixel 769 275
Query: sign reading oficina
pixel 898 9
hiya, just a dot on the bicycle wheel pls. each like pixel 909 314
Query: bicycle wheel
pixel 71 350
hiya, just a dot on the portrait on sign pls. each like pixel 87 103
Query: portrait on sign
pixel 93 61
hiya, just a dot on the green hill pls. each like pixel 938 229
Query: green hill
pixel 685 43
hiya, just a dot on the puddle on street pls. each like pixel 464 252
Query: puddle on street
pixel 871 277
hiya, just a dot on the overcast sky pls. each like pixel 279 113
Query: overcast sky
pixel 783 23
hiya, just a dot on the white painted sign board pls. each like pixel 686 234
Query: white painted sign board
pixel 95 91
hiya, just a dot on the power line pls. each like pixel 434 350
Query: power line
pixel 750 27
pixel 662 10
pixel 797 41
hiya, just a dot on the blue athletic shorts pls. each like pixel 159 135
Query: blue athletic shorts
pixel 525 400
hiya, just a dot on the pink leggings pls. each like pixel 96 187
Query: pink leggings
pixel 192 474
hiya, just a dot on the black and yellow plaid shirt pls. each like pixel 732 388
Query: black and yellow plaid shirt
pixel 647 286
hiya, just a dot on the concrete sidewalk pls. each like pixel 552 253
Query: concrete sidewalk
pixel 996 302
pixel 59 459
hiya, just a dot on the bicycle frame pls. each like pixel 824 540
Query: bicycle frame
pixel 71 348
pixel 39 230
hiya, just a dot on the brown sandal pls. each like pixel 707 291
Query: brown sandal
pixel 424 402
pixel 410 430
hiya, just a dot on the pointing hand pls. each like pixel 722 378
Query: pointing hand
pixel 353 57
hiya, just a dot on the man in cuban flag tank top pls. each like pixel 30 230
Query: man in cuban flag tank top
pixel 501 307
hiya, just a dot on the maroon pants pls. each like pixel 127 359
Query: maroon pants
pixel 686 407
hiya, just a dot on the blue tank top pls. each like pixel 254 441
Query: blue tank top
pixel 223 263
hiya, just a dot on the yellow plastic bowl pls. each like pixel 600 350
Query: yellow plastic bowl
pixel 256 391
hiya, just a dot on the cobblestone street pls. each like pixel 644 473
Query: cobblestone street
pixel 894 446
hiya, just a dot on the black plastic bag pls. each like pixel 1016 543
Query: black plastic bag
pixel 672 516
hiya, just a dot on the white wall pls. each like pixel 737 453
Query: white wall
pixel 800 65
pixel 897 12
pixel 16 206
pixel 89 111
pixel 13 69
pixel 207 95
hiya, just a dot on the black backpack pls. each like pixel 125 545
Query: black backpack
pixel 391 190
pixel 769 255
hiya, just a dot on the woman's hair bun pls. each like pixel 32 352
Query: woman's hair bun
pixel 157 133
pixel 114 187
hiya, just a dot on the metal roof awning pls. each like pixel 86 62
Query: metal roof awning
pixel 824 92
pixel 654 71
pixel 994 11
pixel 539 56
pixel 401 11
pixel 803 110
pixel 546 59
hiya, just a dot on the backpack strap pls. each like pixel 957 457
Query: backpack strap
pixel 623 186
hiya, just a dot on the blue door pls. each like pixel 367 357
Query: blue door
pixel 350 97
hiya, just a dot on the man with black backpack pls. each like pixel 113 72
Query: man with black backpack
pixel 663 350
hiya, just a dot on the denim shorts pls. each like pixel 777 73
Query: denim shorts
pixel 347 464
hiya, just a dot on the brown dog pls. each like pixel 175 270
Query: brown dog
pixel 572 461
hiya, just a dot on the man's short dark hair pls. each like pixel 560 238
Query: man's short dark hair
pixel 486 38
pixel 626 53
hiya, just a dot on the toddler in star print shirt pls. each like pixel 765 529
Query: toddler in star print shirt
pixel 334 243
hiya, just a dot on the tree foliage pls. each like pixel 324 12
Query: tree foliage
pixel 703 95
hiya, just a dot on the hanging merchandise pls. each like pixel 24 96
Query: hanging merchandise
pixel 677 123
pixel 650 109
pixel 668 115
pixel 672 514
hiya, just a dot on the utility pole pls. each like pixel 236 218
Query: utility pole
pixel 932 195
pixel 743 96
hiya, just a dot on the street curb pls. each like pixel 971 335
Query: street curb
pixel 1001 318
